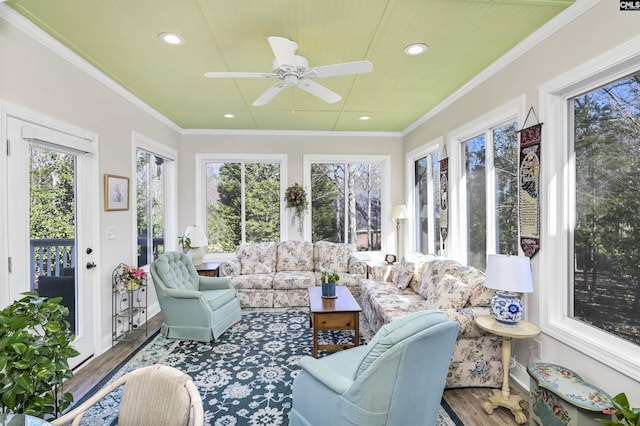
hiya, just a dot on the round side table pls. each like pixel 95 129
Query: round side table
pixel 503 398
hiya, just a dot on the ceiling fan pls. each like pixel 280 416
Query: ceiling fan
pixel 293 70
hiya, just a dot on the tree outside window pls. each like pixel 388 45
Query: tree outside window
pixel 150 205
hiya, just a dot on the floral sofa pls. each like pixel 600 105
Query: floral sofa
pixel 270 275
pixel 429 282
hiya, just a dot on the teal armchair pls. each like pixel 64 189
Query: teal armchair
pixel 193 307
pixel 397 379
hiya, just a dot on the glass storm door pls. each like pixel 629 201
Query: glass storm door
pixel 48 223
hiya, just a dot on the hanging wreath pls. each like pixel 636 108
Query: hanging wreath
pixel 296 199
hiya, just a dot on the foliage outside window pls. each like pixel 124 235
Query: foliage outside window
pixel 427 200
pixel 345 203
pixel 242 202
pixel 500 144
pixel 605 291
pixel 150 205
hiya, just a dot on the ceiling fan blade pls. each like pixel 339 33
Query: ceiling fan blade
pixel 320 91
pixel 238 75
pixel 284 50
pixel 347 68
pixel 269 94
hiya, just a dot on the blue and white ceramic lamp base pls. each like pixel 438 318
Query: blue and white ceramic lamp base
pixel 506 307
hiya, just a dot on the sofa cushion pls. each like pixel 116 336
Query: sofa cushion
pixel 434 270
pixel 474 278
pixel 293 280
pixel 449 293
pixel 403 273
pixel 419 261
pixel 333 257
pixel 295 256
pixel 257 258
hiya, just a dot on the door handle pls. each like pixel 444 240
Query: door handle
pixel 91 265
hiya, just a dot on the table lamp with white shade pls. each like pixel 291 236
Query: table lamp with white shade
pixel 509 275
pixel 197 240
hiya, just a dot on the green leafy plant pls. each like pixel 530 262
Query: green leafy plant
pixel 621 413
pixel 185 242
pixel 35 344
pixel 329 277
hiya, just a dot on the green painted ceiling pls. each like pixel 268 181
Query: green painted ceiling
pixel 120 38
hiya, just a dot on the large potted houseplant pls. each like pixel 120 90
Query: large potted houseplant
pixel 35 345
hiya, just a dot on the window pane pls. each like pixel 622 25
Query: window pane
pixel 150 206
pixel 474 150
pixel 422 204
pixel 357 215
pixel 505 160
pixel 224 206
pixel 606 281
pixel 262 211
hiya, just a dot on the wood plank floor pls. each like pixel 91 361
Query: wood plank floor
pixel 467 402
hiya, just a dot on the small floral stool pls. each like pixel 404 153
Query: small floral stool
pixel 558 396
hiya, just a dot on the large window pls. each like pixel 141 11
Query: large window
pixel 606 235
pixel 426 184
pixel 346 202
pixel 150 205
pixel 243 202
pixel 490 170
pixel 589 259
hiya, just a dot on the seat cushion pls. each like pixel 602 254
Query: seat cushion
pixel 257 258
pixel 295 256
pixel 293 280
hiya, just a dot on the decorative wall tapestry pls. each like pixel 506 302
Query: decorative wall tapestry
pixel 444 198
pixel 529 191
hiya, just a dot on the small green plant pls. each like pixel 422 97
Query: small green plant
pixel 35 344
pixel 329 277
pixel 621 412
pixel 184 242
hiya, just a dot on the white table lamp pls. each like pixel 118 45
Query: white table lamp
pixel 197 240
pixel 509 275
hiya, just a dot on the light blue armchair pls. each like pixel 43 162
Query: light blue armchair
pixel 397 379
pixel 193 307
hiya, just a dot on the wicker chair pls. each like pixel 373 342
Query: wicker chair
pixel 153 395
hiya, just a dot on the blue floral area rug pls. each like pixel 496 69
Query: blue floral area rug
pixel 245 378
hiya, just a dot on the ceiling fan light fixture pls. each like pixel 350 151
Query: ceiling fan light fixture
pixel 415 49
pixel 171 38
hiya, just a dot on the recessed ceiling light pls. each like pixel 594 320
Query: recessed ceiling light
pixel 229 115
pixel 415 49
pixel 171 38
pixel 364 118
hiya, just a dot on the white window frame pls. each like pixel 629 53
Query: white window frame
pixel 557 209
pixel 145 143
pixel 427 150
pixel 385 205
pixel 201 195
pixel 457 239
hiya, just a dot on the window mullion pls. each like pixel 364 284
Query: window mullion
pixel 490 188
pixel 243 224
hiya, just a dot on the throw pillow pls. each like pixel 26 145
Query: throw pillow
pixel 434 270
pixel 403 274
pixel 449 293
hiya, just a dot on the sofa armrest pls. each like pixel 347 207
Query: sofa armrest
pixel 357 266
pixel 183 294
pixel 230 268
pixel 214 283
pixel 466 317
pixel 327 376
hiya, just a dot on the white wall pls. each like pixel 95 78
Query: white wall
pixel 598 30
pixel 34 78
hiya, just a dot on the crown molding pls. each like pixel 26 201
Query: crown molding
pixel 232 132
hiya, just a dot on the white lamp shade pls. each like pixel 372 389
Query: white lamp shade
pixel 509 273
pixel 196 236
pixel 399 212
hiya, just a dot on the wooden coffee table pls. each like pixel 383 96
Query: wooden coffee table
pixel 341 313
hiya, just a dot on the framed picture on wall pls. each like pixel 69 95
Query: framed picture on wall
pixel 116 192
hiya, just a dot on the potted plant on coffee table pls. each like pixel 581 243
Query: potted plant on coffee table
pixel 329 280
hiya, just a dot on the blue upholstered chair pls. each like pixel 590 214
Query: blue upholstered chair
pixel 194 307
pixel 397 379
